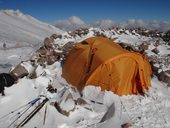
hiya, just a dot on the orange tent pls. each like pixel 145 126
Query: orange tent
pixel 100 62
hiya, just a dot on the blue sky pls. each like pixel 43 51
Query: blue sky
pixel 92 10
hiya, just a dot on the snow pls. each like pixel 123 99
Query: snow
pixel 164 49
pixel 14 23
pixel 149 111
pixel 14 56
pixel 22 32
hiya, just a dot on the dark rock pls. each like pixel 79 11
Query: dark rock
pixel 144 46
pixel 157 43
pixel 68 46
pixel 155 50
pixel 166 36
pixel 41 51
pixel 80 101
pixel 164 76
pixel 55 36
pixel 48 42
pixel 126 125
pixel 128 47
pixel 52 59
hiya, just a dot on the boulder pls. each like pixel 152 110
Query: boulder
pixel 48 42
pixel 19 71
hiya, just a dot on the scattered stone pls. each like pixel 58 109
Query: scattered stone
pixel 80 101
pixel 155 50
pixel 144 46
pixel 157 43
pixel 166 37
pixel 128 47
pixel 126 125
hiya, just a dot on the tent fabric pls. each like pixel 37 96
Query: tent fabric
pixel 100 62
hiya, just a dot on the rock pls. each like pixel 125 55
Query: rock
pixel 55 36
pixel 19 71
pixel 48 42
pixel 79 32
pixel 144 46
pixel 60 110
pixel 99 34
pixel 42 61
pixel 80 101
pixel 33 75
pixel 164 76
pixel 68 46
pixel 154 68
pixel 52 59
pixel 42 51
pixel 166 36
pixel 73 34
pixel 155 50
pixel 126 125
pixel 157 43
pixel 128 47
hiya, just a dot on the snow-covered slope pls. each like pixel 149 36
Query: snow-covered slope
pixel 17 27
pixel 22 34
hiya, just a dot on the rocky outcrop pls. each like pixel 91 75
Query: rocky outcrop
pixel 79 32
pixel 49 53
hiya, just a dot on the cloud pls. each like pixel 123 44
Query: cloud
pixel 75 22
pixel 159 25
pixel 104 23
pixel 135 23
pixel 153 25
pixel 70 24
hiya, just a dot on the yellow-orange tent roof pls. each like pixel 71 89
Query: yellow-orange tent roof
pixel 100 62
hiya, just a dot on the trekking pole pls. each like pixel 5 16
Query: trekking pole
pixel 19 116
pixel 32 113
pixel 13 111
pixel 30 102
pixel 45 114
